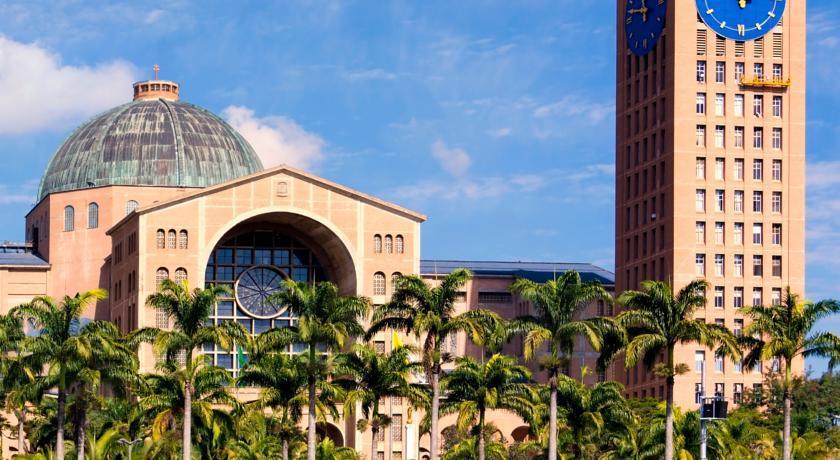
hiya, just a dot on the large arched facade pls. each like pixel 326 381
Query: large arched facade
pixel 255 256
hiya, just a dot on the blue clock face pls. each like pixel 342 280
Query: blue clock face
pixel 741 19
pixel 643 24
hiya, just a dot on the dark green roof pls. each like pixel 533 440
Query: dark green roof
pixel 150 142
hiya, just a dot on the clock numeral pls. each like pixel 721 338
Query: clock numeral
pixel 741 30
pixel 772 14
pixel 758 26
pixel 661 2
pixel 629 20
pixel 723 25
pixel 645 43
pixel 710 11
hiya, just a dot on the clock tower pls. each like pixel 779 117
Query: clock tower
pixel 710 167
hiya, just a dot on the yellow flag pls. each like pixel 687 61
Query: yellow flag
pixel 396 342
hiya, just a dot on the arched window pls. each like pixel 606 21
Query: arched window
pixel 377 244
pixel 183 239
pixel 130 206
pixel 395 277
pixel 160 239
pixel 389 244
pixel 170 239
pixel 399 244
pixel 69 218
pixel 378 283
pixel 161 274
pixel 93 215
pixel 180 275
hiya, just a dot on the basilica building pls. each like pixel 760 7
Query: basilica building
pixel 159 188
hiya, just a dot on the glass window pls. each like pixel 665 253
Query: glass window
pixel 720 104
pixel 180 275
pixel 777 138
pixel 739 233
pixel 720 72
pixel 719 262
pixel 183 239
pixel 739 201
pixel 719 230
pixel 378 283
pixel 399 244
pixel 776 202
pixel 700 200
pixel 718 369
pixel 377 244
pixel 700 233
pixel 739 137
pixel 170 239
pixel 758 106
pixel 738 297
pixel 69 218
pixel 758 70
pixel 160 239
pixel 700 104
pixel 160 275
pixel 776 295
pixel 720 134
pixel 777 71
pixel 739 265
pixel 739 105
pixel 244 256
pixel 777 170
pixel 777 106
pixel 776 234
pixel 757 297
pixel 758 170
pixel 757 233
pixel 719 298
pixel 282 257
pixel 720 199
pixel 389 244
pixel 699 359
pixel 739 71
pixel 93 215
pixel 739 169
pixel 130 206
pixel 701 136
pixel 758 198
pixel 700 264
pixel 758 265
pixel 700 168
pixel 701 71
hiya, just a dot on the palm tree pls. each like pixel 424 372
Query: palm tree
pixel 429 313
pixel 189 310
pixel 327 450
pixel 325 321
pixel 468 449
pixel 784 332
pixel 558 305
pixel 111 361
pixel 18 382
pixel 657 321
pixel 370 377
pixel 165 396
pixel 255 442
pixel 591 414
pixel 284 387
pixel 58 347
pixel 472 389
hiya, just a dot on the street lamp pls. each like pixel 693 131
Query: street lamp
pixel 130 444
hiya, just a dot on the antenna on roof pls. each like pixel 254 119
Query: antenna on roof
pixel 156 69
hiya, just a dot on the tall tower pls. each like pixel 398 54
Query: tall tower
pixel 710 165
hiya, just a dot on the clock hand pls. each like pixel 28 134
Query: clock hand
pixel 743 3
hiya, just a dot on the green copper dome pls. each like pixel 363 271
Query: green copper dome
pixel 157 142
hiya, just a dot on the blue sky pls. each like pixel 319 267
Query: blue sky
pixel 494 118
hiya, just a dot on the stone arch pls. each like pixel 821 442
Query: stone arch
pixel 521 434
pixel 328 430
pixel 337 250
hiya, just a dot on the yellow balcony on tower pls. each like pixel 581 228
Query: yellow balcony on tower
pixel 765 82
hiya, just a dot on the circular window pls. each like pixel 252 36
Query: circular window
pixel 254 289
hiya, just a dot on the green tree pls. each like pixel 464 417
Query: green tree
pixel 591 414
pixel 657 321
pixel 429 313
pixel 557 306
pixel 58 348
pixel 165 396
pixel 327 450
pixel 189 312
pixel 284 385
pixel 785 332
pixel 370 377
pixel 326 320
pixel 472 389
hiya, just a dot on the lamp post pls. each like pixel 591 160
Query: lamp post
pixel 130 444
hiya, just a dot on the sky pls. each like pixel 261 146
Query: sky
pixel 494 118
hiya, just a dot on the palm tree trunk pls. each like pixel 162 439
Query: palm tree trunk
pixel 374 447
pixel 786 447
pixel 310 435
pixel 285 449
pixel 669 418
pixel 80 434
pixel 187 440
pixel 21 430
pixel 481 440
pixel 552 420
pixel 59 435
pixel 433 436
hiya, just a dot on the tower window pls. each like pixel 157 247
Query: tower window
pixel 130 206
pixel 378 283
pixel 160 239
pixel 183 239
pixel 389 244
pixel 377 244
pixel 170 239
pixel 93 215
pixel 180 275
pixel 161 274
pixel 69 218
pixel 399 244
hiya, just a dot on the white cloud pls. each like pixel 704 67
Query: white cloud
pixel 455 161
pixel 153 16
pixel 369 74
pixel 501 132
pixel 19 193
pixel 573 106
pixel 277 140
pixel 39 93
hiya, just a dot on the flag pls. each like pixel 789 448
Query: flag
pixel 396 342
